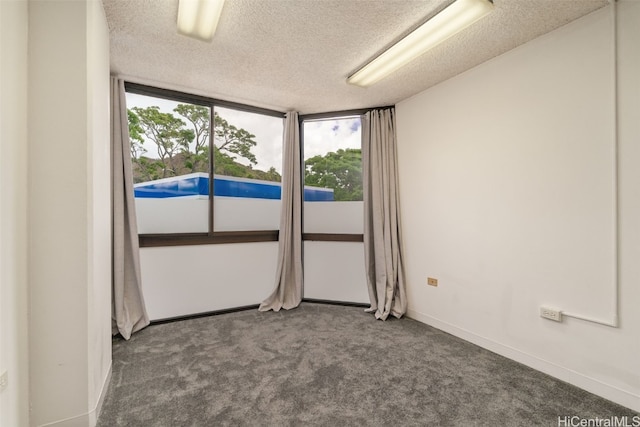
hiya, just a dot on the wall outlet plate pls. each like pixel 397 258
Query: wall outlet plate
pixel 551 314
pixel 432 282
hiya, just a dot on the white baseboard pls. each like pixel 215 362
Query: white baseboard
pixel 93 415
pixel 90 419
pixel 617 395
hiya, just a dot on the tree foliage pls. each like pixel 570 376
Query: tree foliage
pixel 198 118
pixel 181 142
pixel 233 140
pixel 340 170
pixel 169 135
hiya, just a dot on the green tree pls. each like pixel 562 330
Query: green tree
pixel 169 135
pixel 272 175
pixel 144 169
pixel 182 144
pixel 341 170
pixel 135 135
pixel 233 140
pixel 198 118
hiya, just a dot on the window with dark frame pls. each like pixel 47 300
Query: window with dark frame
pixel 189 194
pixel 333 193
pixel 204 171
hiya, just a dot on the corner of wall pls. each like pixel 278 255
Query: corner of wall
pixel 14 408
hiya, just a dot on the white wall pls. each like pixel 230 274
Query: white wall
pixel 507 176
pixel 14 408
pixel 184 280
pixel 99 207
pixel 69 222
pixel 179 281
pixel 335 271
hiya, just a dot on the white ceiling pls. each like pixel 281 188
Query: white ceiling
pixel 297 54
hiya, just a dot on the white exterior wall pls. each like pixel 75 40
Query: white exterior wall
pixel 334 217
pixel 507 179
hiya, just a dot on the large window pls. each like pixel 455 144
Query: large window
pixel 200 168
pixel 248 163
pixel 170 164
pixel 333 176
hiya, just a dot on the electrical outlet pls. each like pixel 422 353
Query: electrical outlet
pixel 432 282
pixel 4 380
pixel 551 314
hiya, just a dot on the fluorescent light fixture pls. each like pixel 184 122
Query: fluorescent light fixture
pixel 199 18
pixel 453 19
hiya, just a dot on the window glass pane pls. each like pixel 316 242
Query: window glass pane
pixel 333 176
pixel 247 170
pixel 170 164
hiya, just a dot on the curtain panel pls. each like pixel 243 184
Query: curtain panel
pixel 128 312
pixel 288 289
pixel 382 234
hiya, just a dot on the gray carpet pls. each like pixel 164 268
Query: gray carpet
pixel 327 365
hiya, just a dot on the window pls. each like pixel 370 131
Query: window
pixel 333 175
pixel 201 167
pixel 248 163
pixel 170 164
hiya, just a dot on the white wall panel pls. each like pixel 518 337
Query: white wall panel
pixel 69 221
pixel 184 280
pixel 508 189
pixel 335 271
pixel 14 358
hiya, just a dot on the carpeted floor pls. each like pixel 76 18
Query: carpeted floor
pixel 331 366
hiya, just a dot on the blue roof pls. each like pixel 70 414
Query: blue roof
pixel 197 185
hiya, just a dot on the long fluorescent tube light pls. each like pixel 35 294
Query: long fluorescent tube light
pixel 453 19
pixel 199 18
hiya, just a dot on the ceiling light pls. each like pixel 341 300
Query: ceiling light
pixel 199 18
pixel 456 17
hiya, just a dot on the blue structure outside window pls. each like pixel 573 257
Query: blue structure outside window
pixel 197 185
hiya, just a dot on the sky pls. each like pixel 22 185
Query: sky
pixel 320 136
pixel 323 136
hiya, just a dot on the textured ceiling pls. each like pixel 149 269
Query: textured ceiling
pixel 297 54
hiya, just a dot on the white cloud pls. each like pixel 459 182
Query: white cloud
pixel 324 136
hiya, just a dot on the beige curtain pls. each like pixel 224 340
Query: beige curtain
pixel 382 237
pixel 128 313
pixel 288 290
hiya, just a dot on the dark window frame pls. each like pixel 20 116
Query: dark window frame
pixel 326 237
pixel 211 236
pixel 225 237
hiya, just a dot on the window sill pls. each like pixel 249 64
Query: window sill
pixel 223 237
pixel 218 237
